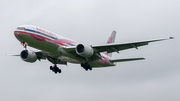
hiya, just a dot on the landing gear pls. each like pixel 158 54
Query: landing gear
pixel 24 45
pixel 86 66
pixel 55 69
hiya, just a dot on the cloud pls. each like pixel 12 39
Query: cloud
pixel 156 78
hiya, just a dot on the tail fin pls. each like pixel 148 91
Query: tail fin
pixel 111 40
pixel 112 37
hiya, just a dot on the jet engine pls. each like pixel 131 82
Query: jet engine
pixel 84 50
pixel 28 56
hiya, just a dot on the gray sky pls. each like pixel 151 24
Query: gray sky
pixel 92 21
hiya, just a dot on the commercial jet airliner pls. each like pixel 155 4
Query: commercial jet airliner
pixel 60 50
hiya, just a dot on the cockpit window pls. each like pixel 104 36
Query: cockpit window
pixel 21 28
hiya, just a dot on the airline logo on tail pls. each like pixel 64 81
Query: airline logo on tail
pixel 111 40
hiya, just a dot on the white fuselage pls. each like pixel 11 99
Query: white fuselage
pixel 54 45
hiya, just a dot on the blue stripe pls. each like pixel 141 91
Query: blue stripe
pixel 70 44
pixel 40 33
pixel 103 57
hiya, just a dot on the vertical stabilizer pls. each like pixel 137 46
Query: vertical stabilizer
pixel 112 37
pixel 111 40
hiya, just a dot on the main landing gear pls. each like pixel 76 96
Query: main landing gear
pixel 55 69
pixel 86 66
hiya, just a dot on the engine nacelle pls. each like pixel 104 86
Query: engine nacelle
pixel 28 56
pixel 84 50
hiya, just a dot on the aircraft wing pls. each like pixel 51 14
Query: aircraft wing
pixel 41 55
pixel 116 47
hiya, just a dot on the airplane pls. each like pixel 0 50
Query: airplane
pixel 61 50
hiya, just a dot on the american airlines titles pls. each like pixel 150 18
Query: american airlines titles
pixel 46 32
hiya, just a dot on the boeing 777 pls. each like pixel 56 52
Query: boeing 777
pixel 60 50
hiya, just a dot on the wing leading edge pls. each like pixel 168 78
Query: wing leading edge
pixel 116 47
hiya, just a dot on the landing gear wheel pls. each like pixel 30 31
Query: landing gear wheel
pixel 59 70
pixel 51 68
pixel 86 66
pixel 90 68
pixel 86 69
pixel 55 69
pixel 55 72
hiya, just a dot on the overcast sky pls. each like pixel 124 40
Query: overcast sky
pixel 92 21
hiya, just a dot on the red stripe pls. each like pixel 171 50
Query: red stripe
pixel 39 36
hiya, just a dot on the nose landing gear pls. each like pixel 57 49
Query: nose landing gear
pixel 24 45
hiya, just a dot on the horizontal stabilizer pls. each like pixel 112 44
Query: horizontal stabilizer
pixel 12 54
pixel 124 60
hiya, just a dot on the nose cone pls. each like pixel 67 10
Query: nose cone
pixel 17 35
